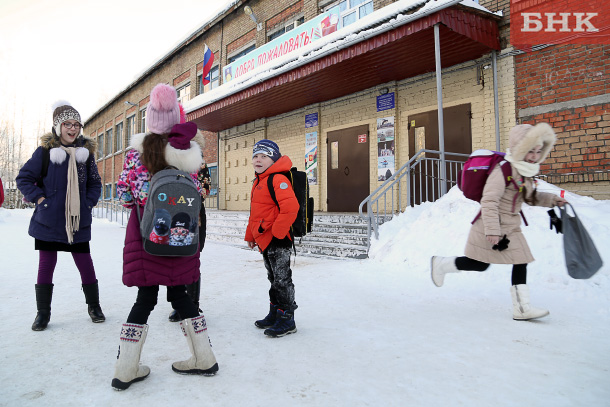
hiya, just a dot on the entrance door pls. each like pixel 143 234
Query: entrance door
pixel 423 133
pixel 348 168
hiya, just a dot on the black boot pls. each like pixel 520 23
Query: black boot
pixel 92 297
pixel 269 320
pixel 194 291
pixel 44 294
pixel 284 324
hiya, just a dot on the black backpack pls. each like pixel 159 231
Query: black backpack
pixel 304 220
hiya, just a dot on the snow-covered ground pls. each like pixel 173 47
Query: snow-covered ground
pixel 372 332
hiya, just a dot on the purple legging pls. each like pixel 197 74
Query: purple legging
pixel 48 260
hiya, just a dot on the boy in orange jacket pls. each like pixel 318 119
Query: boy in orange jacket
pixel 269 229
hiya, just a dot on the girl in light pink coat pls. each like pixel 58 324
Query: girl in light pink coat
pixel 496 237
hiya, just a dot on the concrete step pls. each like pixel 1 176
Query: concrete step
pixel 334 235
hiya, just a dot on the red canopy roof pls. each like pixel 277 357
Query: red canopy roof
pixel 397 54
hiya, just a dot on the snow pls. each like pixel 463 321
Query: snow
pixel 381 20
pixel 372 332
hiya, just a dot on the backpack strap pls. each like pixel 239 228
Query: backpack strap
pixel 272 193
pixel 507 171
pixel 46 158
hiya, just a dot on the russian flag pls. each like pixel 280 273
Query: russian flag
pixel 208 60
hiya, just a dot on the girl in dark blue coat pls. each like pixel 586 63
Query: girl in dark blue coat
pixel 62 180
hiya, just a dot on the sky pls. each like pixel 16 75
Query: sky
pixel 372 332
pixel 84 51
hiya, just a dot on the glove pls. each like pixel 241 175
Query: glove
pixel 555 221
pixel 502 244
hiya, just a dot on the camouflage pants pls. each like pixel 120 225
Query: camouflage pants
pixel 277 263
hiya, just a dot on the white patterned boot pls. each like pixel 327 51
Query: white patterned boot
pixel 522 310
pixel 128 369
pixel 202 360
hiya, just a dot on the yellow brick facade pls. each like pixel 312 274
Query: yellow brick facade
pixel 414 95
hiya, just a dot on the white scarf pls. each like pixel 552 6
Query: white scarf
pixel 524 168
pixel 72 196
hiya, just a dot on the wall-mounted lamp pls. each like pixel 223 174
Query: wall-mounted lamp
pixel 383 91
pixel 248 11
pixel 130 103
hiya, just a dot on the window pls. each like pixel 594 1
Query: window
pixel 241 53
pixel 286 26
pixel 143 121
pixel 213 180
pixel 100 146
pixel 352 10
pixel 214 83
pixel 108 142
pixel 118 132
pixel 184 93
pixel 108 191
pixel 131 128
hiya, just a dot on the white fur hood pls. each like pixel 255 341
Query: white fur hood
pixel 185 160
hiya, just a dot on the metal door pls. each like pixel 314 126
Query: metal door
pixel 348 168
pixel 423 133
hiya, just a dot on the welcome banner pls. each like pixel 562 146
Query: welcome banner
pixel 321 26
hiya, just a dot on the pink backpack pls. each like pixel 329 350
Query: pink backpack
pixel 472 178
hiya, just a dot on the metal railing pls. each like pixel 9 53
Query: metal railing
pixel 418 180
pixel 115 212
pixel 112 210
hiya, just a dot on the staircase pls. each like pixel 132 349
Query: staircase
pixel 339 235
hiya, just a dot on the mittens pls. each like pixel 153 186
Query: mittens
pixel 555 221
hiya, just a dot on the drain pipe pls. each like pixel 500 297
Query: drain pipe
pixel 494 64
pixel 439 97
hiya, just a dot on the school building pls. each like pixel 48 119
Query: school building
pixel 349 90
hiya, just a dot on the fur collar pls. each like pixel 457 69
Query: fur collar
pixel 185 160
pixel 50 141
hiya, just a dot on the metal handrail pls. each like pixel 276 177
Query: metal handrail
pixel 418 168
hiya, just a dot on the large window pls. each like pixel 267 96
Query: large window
pixel 108 191
pixel 143 121
pixel 100 146
pixel 184 93
pixel 108 142
pixel 118 133
pixel 352 10
pixel 285 27
pixel 241 53
pixel 131 128
pixel 214 83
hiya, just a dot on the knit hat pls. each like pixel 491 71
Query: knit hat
pixel 181 135
pixel 524 137
pixel 267 147
pixel 63 111
pixel 181 220
pixel 162 222
pixel 163 110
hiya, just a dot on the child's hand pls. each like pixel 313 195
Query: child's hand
pixel 251 245
pixel 560 202
pixel 493 239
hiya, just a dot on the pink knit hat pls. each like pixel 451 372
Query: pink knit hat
pixel 163 110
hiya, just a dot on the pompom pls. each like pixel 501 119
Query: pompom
pixel 57 155
pixel 59 103
pixel 163 97
pixel 82 154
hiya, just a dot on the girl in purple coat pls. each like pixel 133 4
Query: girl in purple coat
pixel 62 180
pixel 167 143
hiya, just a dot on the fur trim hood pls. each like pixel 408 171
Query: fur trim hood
pixel 523 137
pixel 185 160
pixel 50 141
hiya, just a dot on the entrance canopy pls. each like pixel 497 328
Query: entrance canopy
pixel 394 55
